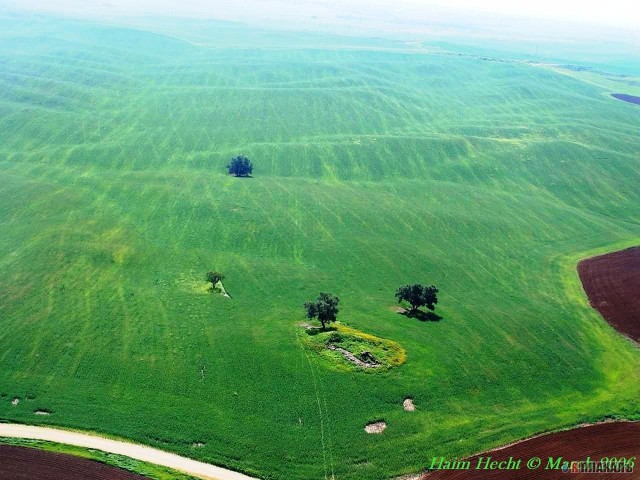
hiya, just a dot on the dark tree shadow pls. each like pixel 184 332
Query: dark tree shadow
pixel 421 315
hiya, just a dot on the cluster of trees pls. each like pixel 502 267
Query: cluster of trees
pixel 325 307
pixel 417 295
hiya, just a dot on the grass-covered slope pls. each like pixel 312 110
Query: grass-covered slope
pixel 372 169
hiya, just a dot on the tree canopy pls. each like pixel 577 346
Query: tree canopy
pixel 214 277
pixel 325 308
pixel 417 295
pixel 240 166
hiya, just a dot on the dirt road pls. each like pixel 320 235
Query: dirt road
pixel 139 452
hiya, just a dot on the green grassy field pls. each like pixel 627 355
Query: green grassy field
pixel 373 168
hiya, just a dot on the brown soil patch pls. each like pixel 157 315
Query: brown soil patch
pixel 612 283
pixel 408 405
pixel 22 463
pixel 604 440
pixel 376 427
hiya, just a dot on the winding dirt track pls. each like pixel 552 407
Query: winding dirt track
pixel 138 452
pixel 22 463
pixel 612 283
pixel 614 439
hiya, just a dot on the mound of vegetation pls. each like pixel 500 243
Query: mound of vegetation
pixel 349 349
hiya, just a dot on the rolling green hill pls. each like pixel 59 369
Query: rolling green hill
pixel 373 167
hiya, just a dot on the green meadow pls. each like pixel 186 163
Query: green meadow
pixel 375 166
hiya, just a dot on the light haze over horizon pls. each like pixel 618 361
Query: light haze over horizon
pixel 610 13
pixel 616 13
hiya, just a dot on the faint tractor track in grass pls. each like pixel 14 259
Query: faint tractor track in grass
pixel 317 394
pixel 322 414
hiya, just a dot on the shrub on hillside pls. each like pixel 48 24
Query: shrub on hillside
pixel 214 277
pixel 240 166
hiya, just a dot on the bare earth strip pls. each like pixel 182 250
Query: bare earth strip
pixel 22 463
pixel 138 452
pixel 604 440
pixel 612 283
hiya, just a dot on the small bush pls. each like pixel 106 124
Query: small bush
pixel 214 277
pixel 240 166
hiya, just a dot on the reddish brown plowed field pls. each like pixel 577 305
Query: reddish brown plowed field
pixel 612 283
pixel 620 439
pixel 21 463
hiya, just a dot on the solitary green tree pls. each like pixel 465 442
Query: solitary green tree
pixel 214 277
pixel 325 309
pixel 417 295
pixel 240 166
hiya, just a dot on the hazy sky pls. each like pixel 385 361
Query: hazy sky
pixel 610 12
pixel 536 22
